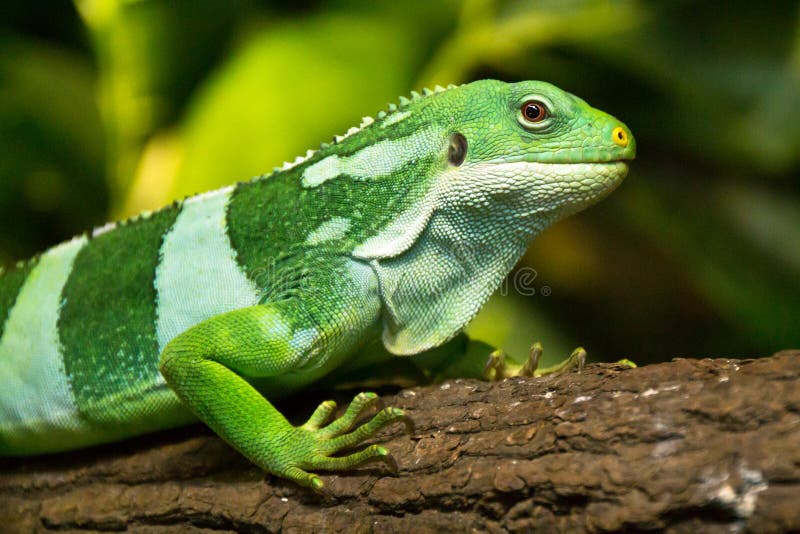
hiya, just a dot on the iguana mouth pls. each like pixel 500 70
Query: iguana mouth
pixel 588 161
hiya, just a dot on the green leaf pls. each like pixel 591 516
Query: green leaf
pixel 151 55
pixel 51 157
pixel 293 86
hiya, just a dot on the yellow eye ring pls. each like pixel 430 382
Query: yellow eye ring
pixel 619 136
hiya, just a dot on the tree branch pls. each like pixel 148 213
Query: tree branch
pixel 685 445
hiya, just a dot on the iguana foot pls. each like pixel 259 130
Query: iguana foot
pixel 311 445
pixel 498 367
pixel 625 362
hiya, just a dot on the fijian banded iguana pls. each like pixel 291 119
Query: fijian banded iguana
pixel 384 243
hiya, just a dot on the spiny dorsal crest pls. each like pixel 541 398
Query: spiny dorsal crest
pixel 366 121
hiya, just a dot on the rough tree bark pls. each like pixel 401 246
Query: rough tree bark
pixel 690 445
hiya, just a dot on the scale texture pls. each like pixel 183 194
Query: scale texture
pixel 384 243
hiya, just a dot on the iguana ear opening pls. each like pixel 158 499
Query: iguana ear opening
pixel 457 151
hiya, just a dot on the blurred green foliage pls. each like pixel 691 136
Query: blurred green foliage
pixel 110 107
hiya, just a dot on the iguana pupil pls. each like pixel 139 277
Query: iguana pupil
pixel 534 111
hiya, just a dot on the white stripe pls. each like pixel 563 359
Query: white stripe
pixel 374 161
pixel 104 229
pixel 396 237
pixel 198 276
pixel 333 228
pixel 209 195
pixel 36 393
pixel 395 117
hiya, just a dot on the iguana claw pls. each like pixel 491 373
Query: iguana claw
pixel 316 443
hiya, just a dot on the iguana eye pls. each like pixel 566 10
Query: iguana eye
pixel 534 111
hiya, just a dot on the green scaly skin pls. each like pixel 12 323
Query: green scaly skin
pixel 384 243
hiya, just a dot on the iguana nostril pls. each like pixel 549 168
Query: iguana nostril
pixel 619 136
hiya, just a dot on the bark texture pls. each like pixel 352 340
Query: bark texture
pixel 686 446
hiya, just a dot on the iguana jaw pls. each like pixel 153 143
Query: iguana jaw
pixel 523 188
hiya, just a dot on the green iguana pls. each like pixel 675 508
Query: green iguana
pixel 384 243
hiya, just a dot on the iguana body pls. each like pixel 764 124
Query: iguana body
pixel 398 231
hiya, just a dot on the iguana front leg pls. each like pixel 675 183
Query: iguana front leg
pixel 281 345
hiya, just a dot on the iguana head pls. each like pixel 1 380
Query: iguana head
pixel 531 149
pixel 482 168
